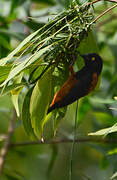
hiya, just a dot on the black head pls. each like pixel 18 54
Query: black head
pixel 94 61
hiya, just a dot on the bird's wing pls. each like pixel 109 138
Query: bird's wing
pixel 81 88
pixel 67 86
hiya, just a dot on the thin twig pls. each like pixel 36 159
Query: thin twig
pixel 112 17
pixel 115 1
pixel 60 141
pixel 4 150
pixel 93 2
pixel 109 9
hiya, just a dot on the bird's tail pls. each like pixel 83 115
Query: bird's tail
pixel 51 108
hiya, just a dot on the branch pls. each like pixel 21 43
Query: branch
pixel 59 141
pixel 112 17
pixel 4 150
pixel 115 1
pixel 105 12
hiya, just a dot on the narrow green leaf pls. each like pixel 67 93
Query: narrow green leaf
pixel 105 118
pixel 18 36
pixel 4 71
pixel 104 163
pixel 7 89
pixel 23 43
pixel 58 116
pixel 4 43
pixel 101 101
pixel 5 60
pixel 39 103
pixel 15 94
pixel 88 45
pixel 112 151
pixel 114 176
pixel 104 131
pixel 53 159
pixel 26 115
pixel 15 103
pixel 28 61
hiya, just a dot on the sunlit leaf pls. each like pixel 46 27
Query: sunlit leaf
pixel 104 131
pixel 7 89
pixel 101 100
pixel 26 115
pixel 39 102
pixel 4 71
pixel 5 60
pixel 112 151
pixel 16 70
pixel 114 176
pixel 25 41
pixel 15 94
pixel 15 35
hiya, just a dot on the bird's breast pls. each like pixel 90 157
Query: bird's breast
pixel 67 86
pixel 93 83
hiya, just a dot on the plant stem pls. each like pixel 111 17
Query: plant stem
pixel 98 17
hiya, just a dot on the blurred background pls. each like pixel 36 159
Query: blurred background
pixel 99 110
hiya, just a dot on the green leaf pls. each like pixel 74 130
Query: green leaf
pixel 53 159
pixel 58 115
pixel 18 36
pixel 4 43
pixel 113 151
pixel 7 89
pixel 48 129
pixel 26 115
pixel 95 99
pixel 114 176
pixel 39 102
pixel 84 109
pixel 28 61
pixel 104 162
pixel 23 43
pixel 5 60
pixel 15 94
pixel 105 118
pixel 4 71
pixel 105 131
pixel 88 45
pixel 15 103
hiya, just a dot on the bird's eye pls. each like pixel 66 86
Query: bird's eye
pixel 93 58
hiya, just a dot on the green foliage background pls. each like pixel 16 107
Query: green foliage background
pixel 90 160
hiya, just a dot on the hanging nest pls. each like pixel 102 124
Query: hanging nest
pixel 41 59
pixel 56 42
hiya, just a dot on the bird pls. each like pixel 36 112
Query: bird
pixel 80 83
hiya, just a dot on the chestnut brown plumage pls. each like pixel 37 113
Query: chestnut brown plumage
pixel 79 84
